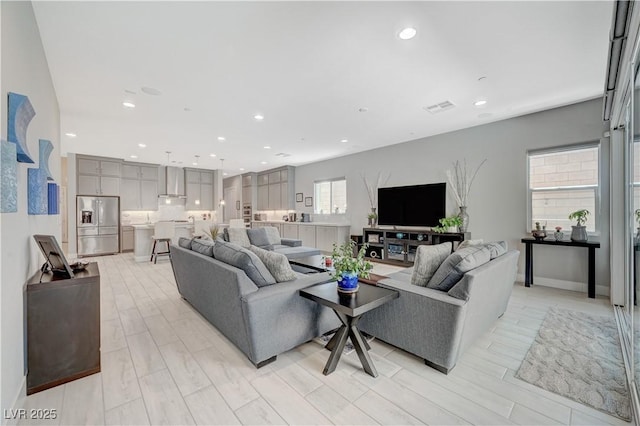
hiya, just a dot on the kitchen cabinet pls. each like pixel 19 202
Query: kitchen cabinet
pixel 97 176
pixel 139 187
pixel 307 233
pixel 275 189
pixel 290 230
pixel 199 189
pixel 327 236
pixel 126 240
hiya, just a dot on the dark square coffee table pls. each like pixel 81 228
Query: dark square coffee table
pixel 349 308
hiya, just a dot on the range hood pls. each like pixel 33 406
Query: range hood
pixel 173 184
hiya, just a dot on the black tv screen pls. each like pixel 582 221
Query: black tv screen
pixel 416 205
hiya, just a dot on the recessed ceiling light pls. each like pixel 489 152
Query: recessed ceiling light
pixel 128 104
pixel 133 156
pixel 142 145
pixel 266 147
pixel 480 102
pixel 259 117
pixel 221 138
pixel 71 135
pixel 344 140
pixel 241 169
pixel 263 162
pixel 194 163
pixel 212 155
pixel 151 91
pixel 225 174
pixel 407 33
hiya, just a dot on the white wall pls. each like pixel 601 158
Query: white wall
pixel 24 71
pixel 497 202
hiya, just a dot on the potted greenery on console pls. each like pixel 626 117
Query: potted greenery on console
pixel 579 231
pixel 449 224
pixel 349 268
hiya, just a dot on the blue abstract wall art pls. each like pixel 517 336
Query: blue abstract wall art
pixel 46 147
pixel 37 191
pixel 8 178
pixel 20 113
pixel 53 196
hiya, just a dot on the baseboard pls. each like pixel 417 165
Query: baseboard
pixel 601 290
pixel 17 403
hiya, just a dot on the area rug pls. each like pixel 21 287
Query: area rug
pixel 348 347
pixel 578 356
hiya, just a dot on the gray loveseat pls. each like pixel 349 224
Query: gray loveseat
pixel 262 322
pixel 269 235
pixel 436 326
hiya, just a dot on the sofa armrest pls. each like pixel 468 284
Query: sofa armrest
pixel 291 242
pixel 416 290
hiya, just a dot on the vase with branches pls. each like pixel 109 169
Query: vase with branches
pixel 460 180
pixel 372 193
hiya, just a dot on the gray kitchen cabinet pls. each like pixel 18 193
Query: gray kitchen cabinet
pixel 88 167
pixel 290 230
pixel 263 197
pixel 326 236
pixel 97 176
pixel 275 201
pixel 139 187
pixel 307 233
pixel 246 194
pixel 110 168
pixel 126 242
pixel 199 189
pixel 278 195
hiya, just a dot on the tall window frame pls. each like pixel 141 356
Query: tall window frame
pixel 536 191
pixel 330 196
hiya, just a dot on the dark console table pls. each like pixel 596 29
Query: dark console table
pixel 63 327
pixel 349 308
pixel 591 245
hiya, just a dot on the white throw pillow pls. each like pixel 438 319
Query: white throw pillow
pixel 273 235
pixel 238 236
pixel 428 260
pixel 468 243
pixel 277 264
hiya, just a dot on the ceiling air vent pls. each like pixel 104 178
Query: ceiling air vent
pixel 282 154
pixel 439 107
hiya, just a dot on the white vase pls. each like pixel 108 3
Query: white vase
pixel 579 233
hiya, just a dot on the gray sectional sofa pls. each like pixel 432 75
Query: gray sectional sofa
pixel 434 324
pixel 261 321
pixel 269 236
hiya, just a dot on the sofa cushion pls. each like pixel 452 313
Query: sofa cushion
pixel 468 243
pixel 273 235
pixel 497 248
pixel 296 252
pixel 277 264
pixel 258 237
pixel 202 246
pixel 237 236
pixel 456 265
pixel 242 258
pixel 428 260
pixel 185 243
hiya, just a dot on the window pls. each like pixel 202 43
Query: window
pixel 562 181
pixel 330 196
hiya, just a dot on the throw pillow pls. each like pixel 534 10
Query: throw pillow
pixel 242 258
pixel 468 243
pixel 273 235
pixel 456 265
pixel 276 263
pixel 258 237
pixel 238 236
pixel 497 248
pixel 185 243
pixel 202 246
pixel 428 259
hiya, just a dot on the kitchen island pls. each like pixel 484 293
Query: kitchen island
pixel 142 241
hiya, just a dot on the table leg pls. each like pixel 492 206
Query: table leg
pixel 359 343
pixel 592 272
pixel 332 342
pixel 528 267
pixel 336 352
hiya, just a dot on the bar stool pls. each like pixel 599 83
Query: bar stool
pixel 163 232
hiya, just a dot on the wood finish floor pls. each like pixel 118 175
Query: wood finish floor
pixel 162 363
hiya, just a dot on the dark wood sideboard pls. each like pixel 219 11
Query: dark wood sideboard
pixel 63 327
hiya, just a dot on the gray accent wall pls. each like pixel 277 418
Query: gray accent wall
pixel 24 70
pixel 498 199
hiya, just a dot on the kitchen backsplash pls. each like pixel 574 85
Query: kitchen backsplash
pixel 164 212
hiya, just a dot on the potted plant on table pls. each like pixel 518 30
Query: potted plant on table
pixel 579 231
pixel 449 224
pixel 347 268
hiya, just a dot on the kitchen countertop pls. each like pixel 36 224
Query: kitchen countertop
pixel 302 223
pixel 151 225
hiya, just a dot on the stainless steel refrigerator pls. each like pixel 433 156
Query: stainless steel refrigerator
pixel 97 225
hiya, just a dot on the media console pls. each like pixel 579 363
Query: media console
pixel 398 246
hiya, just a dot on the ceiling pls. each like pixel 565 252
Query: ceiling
pixel 319 73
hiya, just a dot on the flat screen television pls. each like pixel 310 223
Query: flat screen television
pixel 54 255
pixel 415 205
